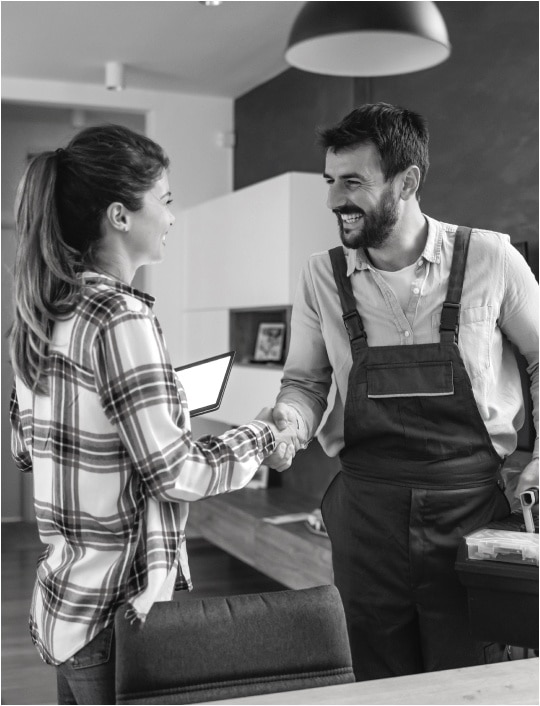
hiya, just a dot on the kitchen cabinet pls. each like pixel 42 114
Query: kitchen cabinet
pixel 245 250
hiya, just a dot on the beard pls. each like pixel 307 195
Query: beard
pixel 375 227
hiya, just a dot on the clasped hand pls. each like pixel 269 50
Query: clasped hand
pixel 285 424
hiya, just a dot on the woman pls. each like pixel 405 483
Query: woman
pixel 97 413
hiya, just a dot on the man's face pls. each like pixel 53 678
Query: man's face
pixel 364 203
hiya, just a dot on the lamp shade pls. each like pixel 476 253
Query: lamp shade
pixel 367 38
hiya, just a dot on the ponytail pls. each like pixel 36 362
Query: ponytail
pixel 62 200
pixel 45 275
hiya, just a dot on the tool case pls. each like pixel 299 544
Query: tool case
pixel 498 565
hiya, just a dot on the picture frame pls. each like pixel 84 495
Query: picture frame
pixel 270 342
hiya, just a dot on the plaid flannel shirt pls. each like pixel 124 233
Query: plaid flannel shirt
pixel 114 468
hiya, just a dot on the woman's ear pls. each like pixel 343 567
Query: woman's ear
pixel 411 182
pixel 117 216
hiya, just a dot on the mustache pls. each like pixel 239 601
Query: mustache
pixel 348 211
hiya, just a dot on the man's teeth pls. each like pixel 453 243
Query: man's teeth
pixel 351 217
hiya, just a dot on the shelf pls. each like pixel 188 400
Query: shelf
pixel 244 328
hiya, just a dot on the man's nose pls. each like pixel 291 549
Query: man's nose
pixel 336 197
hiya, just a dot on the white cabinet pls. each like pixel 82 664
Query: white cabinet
pixel 250 388
pixel 246 250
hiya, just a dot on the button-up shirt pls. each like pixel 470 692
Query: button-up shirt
pixel 114 468
pixel 499 306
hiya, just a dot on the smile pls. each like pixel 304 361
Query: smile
pixel 350 218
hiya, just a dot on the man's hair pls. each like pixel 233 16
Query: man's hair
pixel 400 136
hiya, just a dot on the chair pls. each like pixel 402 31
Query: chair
pixel 222 648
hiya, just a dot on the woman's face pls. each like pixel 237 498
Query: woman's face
pixel 149 226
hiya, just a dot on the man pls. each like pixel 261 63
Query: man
pixel 412 318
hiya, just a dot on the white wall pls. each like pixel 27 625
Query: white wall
pixel 188 128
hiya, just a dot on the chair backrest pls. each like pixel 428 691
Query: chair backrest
pixel 221 648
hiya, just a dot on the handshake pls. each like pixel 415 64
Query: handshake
pixel 289 430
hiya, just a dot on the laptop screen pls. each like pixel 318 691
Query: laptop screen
pixel 204 382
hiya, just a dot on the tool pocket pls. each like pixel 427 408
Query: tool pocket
pixel 414 379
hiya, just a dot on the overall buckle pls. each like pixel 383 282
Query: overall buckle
pixel 354 326
pixel 450 317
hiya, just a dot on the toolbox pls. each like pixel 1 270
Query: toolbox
pixel 499 568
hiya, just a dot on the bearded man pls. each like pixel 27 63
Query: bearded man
pixel 413 320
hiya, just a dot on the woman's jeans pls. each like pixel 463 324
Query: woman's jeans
pixel 88 676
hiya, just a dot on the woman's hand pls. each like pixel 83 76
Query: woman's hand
pixel 287 441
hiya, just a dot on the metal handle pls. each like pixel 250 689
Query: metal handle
pixel 528 499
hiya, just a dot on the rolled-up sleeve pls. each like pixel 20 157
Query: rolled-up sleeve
pixel 308 373
pixel 139 393
pixel 519 318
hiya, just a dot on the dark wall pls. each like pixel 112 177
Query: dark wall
pixel 481 105
pixel 275 124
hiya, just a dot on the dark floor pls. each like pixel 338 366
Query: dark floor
pixel 25 678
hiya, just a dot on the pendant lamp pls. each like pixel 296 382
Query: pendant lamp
pixel 367 38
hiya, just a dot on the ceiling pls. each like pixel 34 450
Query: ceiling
pixel 172 46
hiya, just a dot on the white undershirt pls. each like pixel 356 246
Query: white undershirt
pixel 400 283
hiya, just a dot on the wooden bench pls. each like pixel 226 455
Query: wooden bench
pixel 290 553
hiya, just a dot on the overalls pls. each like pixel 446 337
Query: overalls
pixel 418 471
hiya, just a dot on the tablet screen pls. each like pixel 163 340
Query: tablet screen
pixel 204 382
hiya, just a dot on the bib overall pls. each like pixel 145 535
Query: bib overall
pixel 418 471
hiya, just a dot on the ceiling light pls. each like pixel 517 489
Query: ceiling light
pixel 367 38
pixel 114 76
pixel 211 3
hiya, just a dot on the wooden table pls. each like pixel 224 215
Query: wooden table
pixel 504 683
pixel 289 553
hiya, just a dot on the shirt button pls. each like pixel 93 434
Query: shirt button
pixel 416 290
pixel 420 263
pixel 407 334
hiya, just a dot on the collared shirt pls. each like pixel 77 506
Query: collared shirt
pixel 499 305
pixel 115 467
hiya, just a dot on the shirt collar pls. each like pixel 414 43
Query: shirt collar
pixel 358 259
pixel 119 287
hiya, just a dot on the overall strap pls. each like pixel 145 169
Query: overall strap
pixel 351 317
pixel 449 327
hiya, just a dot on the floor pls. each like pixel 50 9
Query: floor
pixel 25 678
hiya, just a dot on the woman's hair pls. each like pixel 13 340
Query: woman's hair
pixel 61 202
pixel 400 136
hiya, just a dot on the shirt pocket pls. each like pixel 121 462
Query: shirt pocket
pixel 474 338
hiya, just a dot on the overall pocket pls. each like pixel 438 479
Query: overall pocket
pixel 421 379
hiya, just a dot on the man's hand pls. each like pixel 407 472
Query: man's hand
pixel 285 425
pixel 528 479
